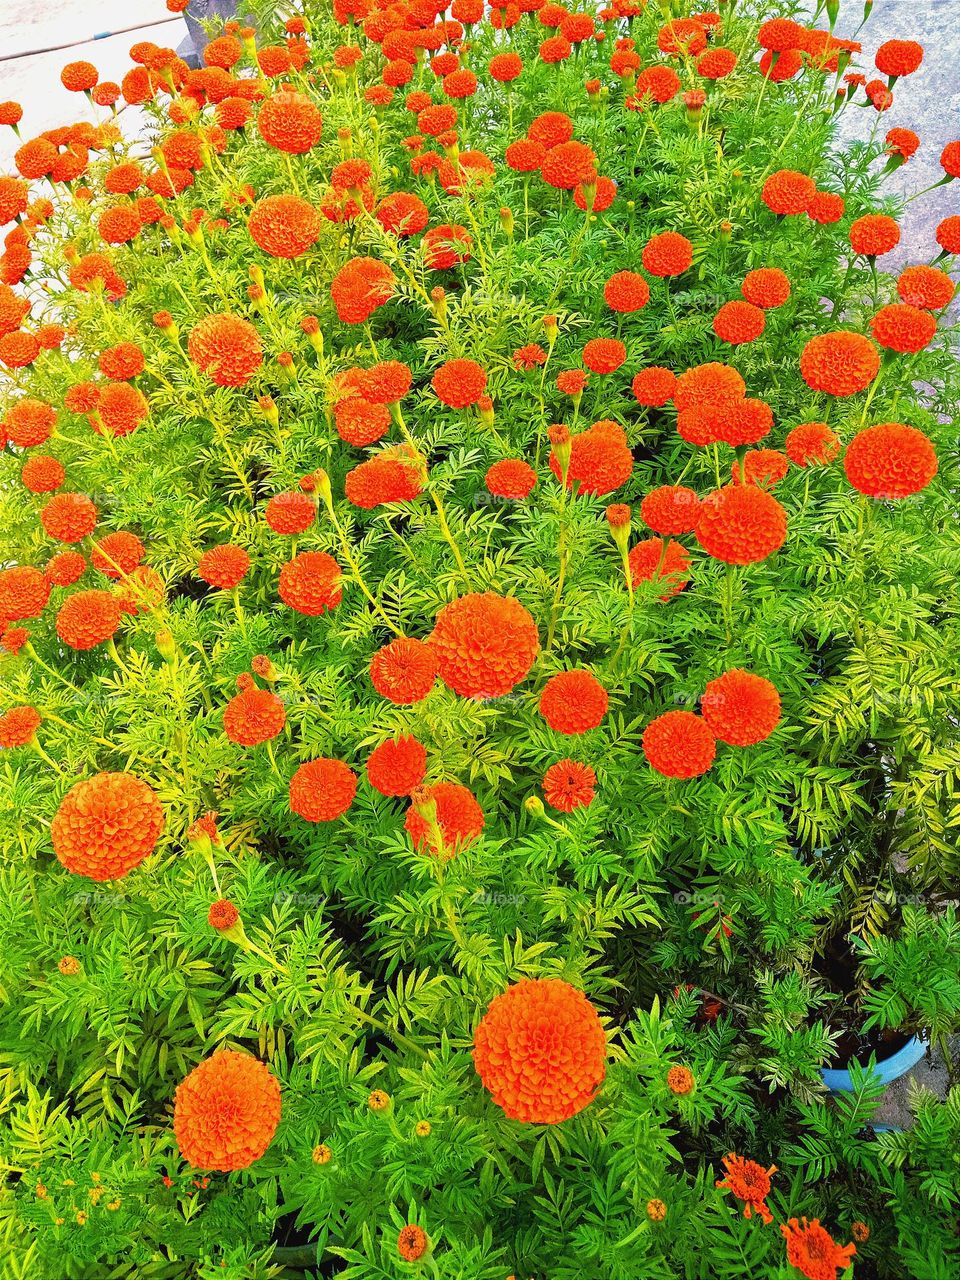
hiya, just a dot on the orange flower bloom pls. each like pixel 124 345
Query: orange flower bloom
pixel 17 350
pixel 874 235
pixel 925 287
pixel 117 554
pixel 224 52
pixel 573 701
pixel 226 1111
pixel 360 287
pixel 291 512
pixel 290 122
pixel 540 1050
pixel 680 1081
pixel 813 1251
pixel 412 1242
pixel 458 816
pixel 716 64
pixel 253 716
pixel 741 524
pixel 65 568
pixel 29 422
pixel 121 407
pixel 322 790
pixel 386 383
pixel 840 363
pixel 222 915
pixel 654 84
pixel 459 383
pixel 106 826
pixel 568 785
pixel 626 292
pixel 649 561
pixel 890 461
pixel 310 583
pixel 284 226
pixel 511 478
pixel 397 766
pixel 224 566
pixel 812 442
pixel 120 224
pixel 749 1182
pixel 765 467
pixel 395 475
pixel 679 744
pixel 79 77
pixel 121 362
pixel 565 166
pixel 18 725
pixel 600 460
pixel 667 254
pixel 788 193
pixel 739 322
pixel 767 287
pixel 654 386
pixel 671 509
pixel 402 214
pixel 741 709
pixel 404 670
pixel 903 328
pixel 604 355
pixel 69 517
pixel 712 383
pixel 446 245
pixel 23 593
pixel 485 644
pixel 226 348
pixel 898 57
pixel 42 474
pixel 902 142
pixel 948 234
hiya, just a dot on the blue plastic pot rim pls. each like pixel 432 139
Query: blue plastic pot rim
pixel 890 1069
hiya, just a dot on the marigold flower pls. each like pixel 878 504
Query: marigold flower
pixel 680 1081
pixel 290 122
pixel 529 356
pixel 17 350
pixel 898 57
pixel 925 287
pixel 223 915
pixel 253 716
pixel 654 84
pixel 395 475
pixel 572 382
pixel 412 1242
pixel 573 701
pixel 226 1111
pixel 569 785
pixel 810 443
pixel 42 474
pixel 322 790
pixel 626 292
pixel 525 155
pixel 290 513
pixel 604 355
pixel 69 517
pixel 902 142
pixel 749 1182
pixel 360 287
pixel 874 235
pixel 121 408
pixel 485 644
pixel 739 322
pixel 780 34
pixel 505 67
pixel 860 1231
pixel 540 1050
pixel 18 725
pixel 445 246
pixel 679 744
pixel 117 554
pixel 397 766
pixel 741 709
pixel 716 64
pixel 121 362
pixel 788 193
pixel 386 383
pixel 765 467
pixel 511 478
pixel 224 566
pixel 654 386
pixel 284 226
pixel 567 165
pixel 459 383
pixel 227 348
pixel 310 583
pixel 667 254
pixel 948 234
pixel 813 1251
pixel 741 524
pixel 141 591
pixel 402 214
pixel 656 1210
pixel 903 328
pixel 767 287
pixel 404 670
pixel 890 461
pixel 106 825
pixel 12 639
pixel 671 509
pixel 648 561
pixel 840 363
pixel 459 819
pixel 600 460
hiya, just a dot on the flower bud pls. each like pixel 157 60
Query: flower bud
pixel 166 645
pixel 551 328
pixel 506 221
pixel 268 407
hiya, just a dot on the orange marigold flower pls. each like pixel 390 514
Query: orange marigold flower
pixel 529 356
pixel 224 566
pixel 395 475
pixel 767 287
pixel 741 524
pixel 813 1251
pixel 412 1242
pixel 569 785
pixel 117 554
pixel 524 155
pixel 79 77
pixel 925 287
pixel 654 386
pixel 890 461
pixel 874 234
pixel 540 1050
pixel 680 1081
pixel 106 825
pixel 11 113
pixel 65 568
pixel 902 142
pixel 446 245
pixel 284 226
pixel 749 1182
pixel 485 644
pixel 679 744
pixel 654 84
pixel 291 512
pixel 42 474
pixel 573 701
pixel 121 362
pixel 739 322
pixel 222 915
pixel 459 383
pixel 226 1111
pixel 322 790
pixel 404 670
pixel 17 350
pixel 840 363
pixel 397 766
pixel 29 422
pixel 898 57
pixel 458 818
pixel 511 478
pixel 142 590
pixel 18 725
pixel 69 517
pixel 860 1231
pixel 780 34
pixel 120 224
pixel 716 64
pixel 572 382
pixel 604 355
pixel 386 383
pixel 360 287
pixel 290 122
pixel 226 348
pixel 567 165
pixel 35 159
pixel 667 254
pixel 224 52
pixel 671 509
pixel 600 460
pixel 359 422
pixel 402 214
pixel 948 234
pixel 310 583
pixel 14 196
pixel 88 618
pixel 649 561
pixel 812 442
pixel 505 67
pixel 903 328
pixel 253 716
pixel 788 193
pixel 121 407
pixel 741 709
pixel 626 292
pixel 765 467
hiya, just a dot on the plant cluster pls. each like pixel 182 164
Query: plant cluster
pixel 478 620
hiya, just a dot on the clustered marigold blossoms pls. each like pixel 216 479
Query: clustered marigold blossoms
pixel 226 1111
